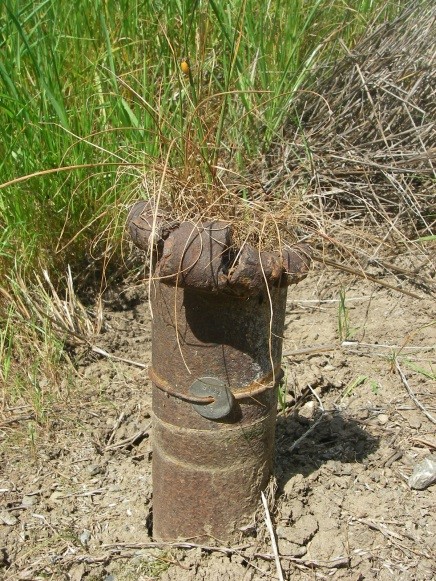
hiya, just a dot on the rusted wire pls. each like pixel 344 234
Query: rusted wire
pixel 263 384
pixel 165 386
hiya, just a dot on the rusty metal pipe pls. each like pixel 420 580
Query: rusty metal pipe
pixel 218 319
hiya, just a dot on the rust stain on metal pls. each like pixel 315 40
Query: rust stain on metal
pixel 212 319
pixel 196 256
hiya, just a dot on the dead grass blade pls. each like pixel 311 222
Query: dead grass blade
pixel 273 538
pixel 412 395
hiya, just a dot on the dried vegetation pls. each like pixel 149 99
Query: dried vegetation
pixel 361 144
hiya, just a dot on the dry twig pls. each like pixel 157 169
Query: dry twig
pixel 104 353
pixel 272 536
pixel 412 395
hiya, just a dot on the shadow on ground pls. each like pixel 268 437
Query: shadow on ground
pixel 330 437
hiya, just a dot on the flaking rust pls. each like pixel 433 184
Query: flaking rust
pixel 218 320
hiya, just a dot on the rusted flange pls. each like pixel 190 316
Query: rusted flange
pixel 218 320
pixel 203 256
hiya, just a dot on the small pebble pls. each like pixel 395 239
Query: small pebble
pixel 414 421
pixel 424 474
pixel 6 518
pixel 362 414
pixel 383 419
pixel 29 501
pixel 85 537
pixel 94 469
pixel 308 410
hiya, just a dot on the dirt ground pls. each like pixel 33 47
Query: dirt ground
pixel 75 493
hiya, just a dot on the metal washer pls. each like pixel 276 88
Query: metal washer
pixel 216 388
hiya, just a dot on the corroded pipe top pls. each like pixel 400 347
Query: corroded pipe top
pixel 203 256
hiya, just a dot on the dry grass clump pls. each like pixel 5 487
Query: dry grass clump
pixel 363 140
pixel 41 304
pixel 257 219
pixel 39 331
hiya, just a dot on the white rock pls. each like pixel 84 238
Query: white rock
pixel 424 474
